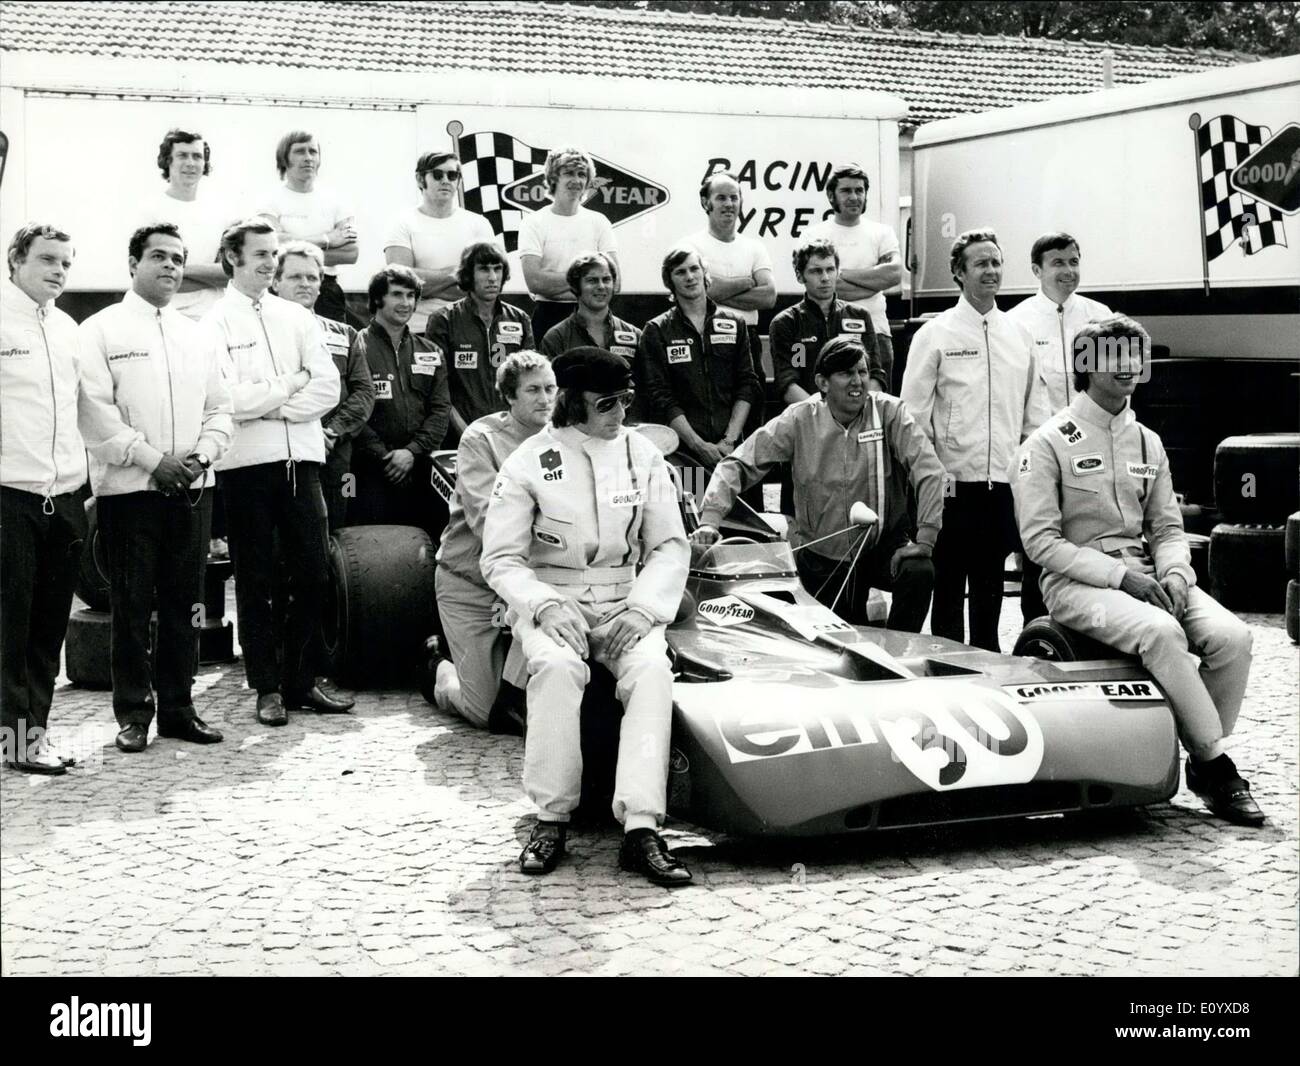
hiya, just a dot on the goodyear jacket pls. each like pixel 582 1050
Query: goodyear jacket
pixel 484 446
pixel 588 519
pixel 155 378
pixel 698 375
pixel 1053 327
pixel 798 333
pixel 472 353
pixel 972 385
pixel 1088 487
pixel 262 345
pixel 41 450
pixel 410 389
pixel 872 459
pixel 619 337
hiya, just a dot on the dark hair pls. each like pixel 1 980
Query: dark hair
pixel 957 257
pixel 286 143
pixel 1101 335
pixel 430 160
pixel 570 408
pixel 233 237
pixel 675 258
pixel 1050 242
pixel 812 249
pixel 171 139
pixel 585 262
pixel 845 170
pixel 140 239
pixel 386 277
pixel 26 235
pixel 480 253
pixel 706 186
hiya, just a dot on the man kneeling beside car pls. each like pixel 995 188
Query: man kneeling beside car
pixel 1089 485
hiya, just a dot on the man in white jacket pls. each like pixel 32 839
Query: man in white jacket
pixel 584 542
pixel 164 419
pixel 42 465
pixel 282 380
pixel 972 385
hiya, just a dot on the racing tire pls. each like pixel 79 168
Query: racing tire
pixel 383 604
pixel 1293 610
pixel 1248 567
pixel 87 649
pixel 1264 465
pixel 1292 541
pixel 1044 638
pixel 92 572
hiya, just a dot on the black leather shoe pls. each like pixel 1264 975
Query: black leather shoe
pixel 195 730
pixel 270 709
pixel 133 738
pixel 39 763
pixel 1228 797
pixel 316 700
pixel 645 852
pixel 545 848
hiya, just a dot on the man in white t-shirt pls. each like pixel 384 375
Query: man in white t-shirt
pixel 430 237
pixel 870 260
pixel 185 159
pixel 550 239
pixel 739 267
pixel 300 211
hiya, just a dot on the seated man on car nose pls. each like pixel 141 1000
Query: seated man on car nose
pixel 584 542
pixel 845 445
pixel 1097 512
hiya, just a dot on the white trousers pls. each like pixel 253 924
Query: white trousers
pixel 477 644
pixel 553 750
pixel 1202 662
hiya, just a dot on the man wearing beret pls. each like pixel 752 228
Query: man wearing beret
pixel 846 444
pixel 584 542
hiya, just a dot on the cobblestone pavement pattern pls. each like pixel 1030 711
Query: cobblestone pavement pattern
pixel 386 842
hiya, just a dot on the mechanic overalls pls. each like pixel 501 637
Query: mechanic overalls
pixel 1088 487
pixel 595 522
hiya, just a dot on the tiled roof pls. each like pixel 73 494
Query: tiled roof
pixel 939 74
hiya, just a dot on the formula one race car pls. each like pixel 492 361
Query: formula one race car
pixel 789 721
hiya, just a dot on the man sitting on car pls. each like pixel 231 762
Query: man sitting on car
pixel 846 445
pixel 1097 512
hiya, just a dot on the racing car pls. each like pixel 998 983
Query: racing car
pixel 789 721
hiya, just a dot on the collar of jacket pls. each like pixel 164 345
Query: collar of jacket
pixel 966 313
pixel 809 306
pixel 138 305
pixel 575 438
pixel 1044 303
pixel 241 299
pixel 20 301
pixel 710 309
pixel 1086 409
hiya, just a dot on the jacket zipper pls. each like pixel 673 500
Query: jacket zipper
pixel 167 360
pixel 288 444
pixel 1065 359
pixel 47 507
pixel 988 362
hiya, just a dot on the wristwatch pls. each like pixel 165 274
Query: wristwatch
pixel 203 460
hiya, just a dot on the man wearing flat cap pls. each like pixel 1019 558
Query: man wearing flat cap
pixel 846 445
pixel 584 542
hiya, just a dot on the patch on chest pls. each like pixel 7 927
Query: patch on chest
pixel 679 353
pixel 1087 464
pixel 552 464
pixel 1143 470
pixel 1071 431
pixel 466 359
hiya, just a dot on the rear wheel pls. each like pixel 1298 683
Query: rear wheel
pixel 92 572
pixel 1045 639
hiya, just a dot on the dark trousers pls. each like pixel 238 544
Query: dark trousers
pixel 1031 596
pixel 39 554
pixel 156 546
pixel 337 484
pixel 262 501
pixel 979 531
pixel 414 502
pixel 911 589
pixel 885 353
pixel 548 313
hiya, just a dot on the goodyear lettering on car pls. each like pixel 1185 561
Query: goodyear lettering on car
pixel 679 353
pixel 1092 463
pixel 1143 470
pixel 1144 691
pixel 1072 432
pixel 725 611
pixel 552 464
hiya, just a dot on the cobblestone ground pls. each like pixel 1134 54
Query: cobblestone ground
pixel 386 842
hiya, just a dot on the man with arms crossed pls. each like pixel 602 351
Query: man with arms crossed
pixel 155 379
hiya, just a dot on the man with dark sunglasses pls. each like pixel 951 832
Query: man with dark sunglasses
pixel 430 237
pixel 584 542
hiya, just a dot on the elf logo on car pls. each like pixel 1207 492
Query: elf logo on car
pixel 727 611
pixel 948 735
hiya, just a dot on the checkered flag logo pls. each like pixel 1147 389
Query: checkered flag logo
pixel 489 162
pixel 1224 143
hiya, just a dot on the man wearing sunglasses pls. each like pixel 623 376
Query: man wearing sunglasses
pixel 430 236
pixel 163 415
pixel 584 542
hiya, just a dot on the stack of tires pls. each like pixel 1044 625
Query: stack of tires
pixel 1256 486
